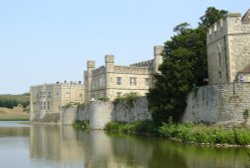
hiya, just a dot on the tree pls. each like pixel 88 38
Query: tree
pixel 211 16
pixel 184 66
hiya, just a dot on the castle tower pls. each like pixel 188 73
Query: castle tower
pixel 157 58
pixel 89 77
pixel 109 64
pixel 228 48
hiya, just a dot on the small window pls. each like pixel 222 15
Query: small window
pixel 44 94
pixel 48 94
pixel 81 96
pixel 220 75
pixel 219 55
pixel 147 81
pixel 133 81
pixel 118 94
pixel 48 105
pixel 118 81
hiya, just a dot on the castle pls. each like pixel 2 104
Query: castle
pixel 112 81
pixel 48 99
pixel 109 81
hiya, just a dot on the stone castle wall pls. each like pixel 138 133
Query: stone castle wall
pixel 213 104
pixel 103 112
pixel 139 111
pixel 222 103
pixel 73 113
pixel 100 113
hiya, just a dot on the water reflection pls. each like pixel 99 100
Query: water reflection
pixel 53 146
pixel 96 149
pixel 55 143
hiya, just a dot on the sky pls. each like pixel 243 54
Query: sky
pixel 44 41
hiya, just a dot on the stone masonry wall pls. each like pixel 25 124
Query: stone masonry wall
pixel 69 115
pixel 139 111
pixel 100 113
pixel 222 103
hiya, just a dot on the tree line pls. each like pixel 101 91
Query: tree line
pixel 10 101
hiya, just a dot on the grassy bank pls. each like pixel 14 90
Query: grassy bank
pixel 146 127
pixel 17 114
pixel 188 133
pixel 14 119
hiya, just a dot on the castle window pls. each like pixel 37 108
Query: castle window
pixel 44 94
pixel 220 75
pixel 219 56
pixel 81 96
pixel 147 81
pixel 118 80
pixel 48 105
pixel 118 94
pixel 101 81
pixel 48 95
pixel 133 81
pixel 43 106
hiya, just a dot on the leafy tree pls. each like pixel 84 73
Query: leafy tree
pixel 184 66
pixel 211 16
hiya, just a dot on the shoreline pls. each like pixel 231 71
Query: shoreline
pixel 200 135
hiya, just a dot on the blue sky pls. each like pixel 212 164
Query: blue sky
pixel 44 41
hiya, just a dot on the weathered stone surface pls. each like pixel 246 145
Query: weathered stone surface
pixel 72 113
pixel 222 103
pixel 100 114
pixel 139 111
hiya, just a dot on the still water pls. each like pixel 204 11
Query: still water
pixel 31 146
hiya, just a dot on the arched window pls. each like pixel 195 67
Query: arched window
pixel 219 56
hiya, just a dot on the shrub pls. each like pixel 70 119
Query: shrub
pixel 83 124
pixel 128 99
pixel 138 127
pixel 103 98
pixel 242 137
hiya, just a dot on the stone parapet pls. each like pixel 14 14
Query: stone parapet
pixel 133 70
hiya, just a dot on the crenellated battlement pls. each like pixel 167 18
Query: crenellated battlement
pixel 148 63
pixel 232 23
pixel 131 70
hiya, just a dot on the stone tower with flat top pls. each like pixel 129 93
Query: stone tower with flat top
pixel 228 49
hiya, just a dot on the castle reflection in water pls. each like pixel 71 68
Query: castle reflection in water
pixel 97 149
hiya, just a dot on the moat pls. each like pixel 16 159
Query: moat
pixel 43 146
